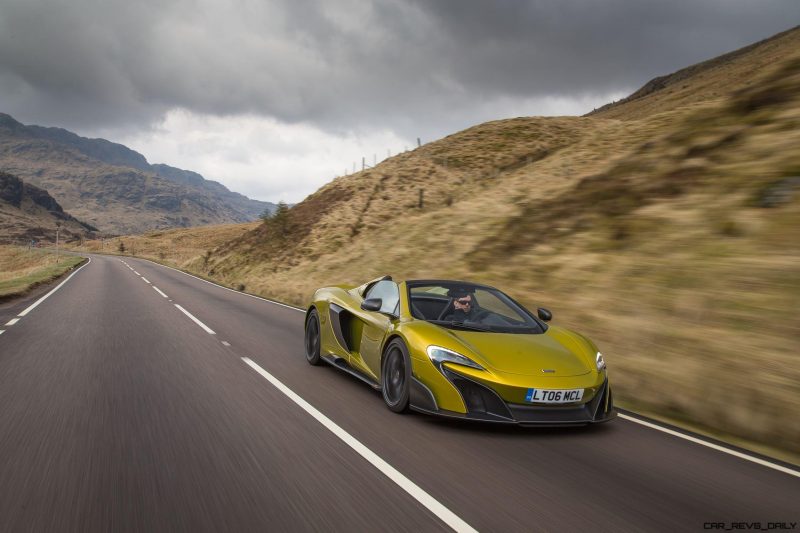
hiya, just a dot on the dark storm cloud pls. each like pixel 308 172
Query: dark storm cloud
pixel 411 66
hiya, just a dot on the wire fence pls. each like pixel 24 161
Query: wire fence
pixel 365 165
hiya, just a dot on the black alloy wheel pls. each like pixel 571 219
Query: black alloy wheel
pixel 396 376
pixel 313 339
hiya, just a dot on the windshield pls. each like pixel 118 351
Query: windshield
pixel 460 305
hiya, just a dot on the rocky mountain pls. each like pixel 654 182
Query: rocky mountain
pixel 115 188
pixel 30 213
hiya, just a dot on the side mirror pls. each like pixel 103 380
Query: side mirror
pixel 544 314
pixel 372 304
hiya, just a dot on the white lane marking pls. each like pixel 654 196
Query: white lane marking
pixel 227 288
pixel 145 279
pixel 713 446
pixel 648 424
pixel 43 298
pixel 195 320
pixel 12 321
pixel 159 291
pixel 136 273
pixel 2 331
pixel 428 501
pixel 224 343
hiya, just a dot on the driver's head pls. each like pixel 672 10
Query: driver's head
pixel 462 300
pixel 464 303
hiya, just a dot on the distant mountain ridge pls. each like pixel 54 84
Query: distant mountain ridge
pixel 106 173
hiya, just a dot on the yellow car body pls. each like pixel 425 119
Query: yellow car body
pixel 544 376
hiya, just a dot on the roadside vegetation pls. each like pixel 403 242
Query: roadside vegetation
pixel 184 248
pixel 665 228
pixel 22 269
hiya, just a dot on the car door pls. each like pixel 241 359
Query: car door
pixel 376 324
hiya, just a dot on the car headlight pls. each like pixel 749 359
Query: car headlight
pixel 441 355
pixel 600 362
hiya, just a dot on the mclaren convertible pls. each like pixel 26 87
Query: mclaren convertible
pixel 459 349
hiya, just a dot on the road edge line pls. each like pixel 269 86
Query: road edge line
pixel 46 296
pixel 717 447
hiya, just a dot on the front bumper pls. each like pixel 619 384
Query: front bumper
pixel 485 405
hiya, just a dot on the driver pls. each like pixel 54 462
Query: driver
pixel 465 307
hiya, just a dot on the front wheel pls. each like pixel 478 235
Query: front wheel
pixel 396 376
pixel 313 339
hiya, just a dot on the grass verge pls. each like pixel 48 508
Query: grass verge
pixel 23 269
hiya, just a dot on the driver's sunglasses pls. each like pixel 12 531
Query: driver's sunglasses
pixel 465 301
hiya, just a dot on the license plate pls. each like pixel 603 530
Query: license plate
pixel 554 396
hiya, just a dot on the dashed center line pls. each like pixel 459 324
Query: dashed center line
pixel 2 331
pixel 195 320
pixel 145 279
pixel 415 491
pixel 136 273
pixel 651 425
pixel 159 291
pixel 12 321
pixel 224 343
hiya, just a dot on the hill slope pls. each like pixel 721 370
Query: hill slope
pixel 113 187
pixel 664 227
pixel 29 213
pixel 704 81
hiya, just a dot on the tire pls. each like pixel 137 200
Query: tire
pixel 313 339
pixel 396 376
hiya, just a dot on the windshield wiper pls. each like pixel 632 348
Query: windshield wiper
pixel 465 325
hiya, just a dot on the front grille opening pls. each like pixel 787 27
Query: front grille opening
pixel 479 399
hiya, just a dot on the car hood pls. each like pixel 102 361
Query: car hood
pixel 564 352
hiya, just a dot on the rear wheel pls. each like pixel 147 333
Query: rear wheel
pixel 313 339
pixel 396 376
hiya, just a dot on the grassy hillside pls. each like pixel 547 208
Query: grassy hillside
pixel 664 227
pixel 22 269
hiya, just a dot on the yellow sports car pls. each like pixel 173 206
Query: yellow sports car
pixel 459 349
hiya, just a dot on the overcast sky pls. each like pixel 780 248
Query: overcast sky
pixel 274 98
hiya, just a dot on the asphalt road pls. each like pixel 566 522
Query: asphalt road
pixel 119 412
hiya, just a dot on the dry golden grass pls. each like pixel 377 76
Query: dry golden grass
pixel 181 248
pixel 705 82
pixel 648 234
pixel 22 269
